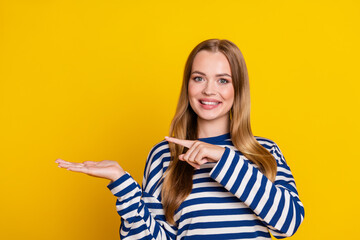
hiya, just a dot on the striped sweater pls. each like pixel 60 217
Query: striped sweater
pixel 230 199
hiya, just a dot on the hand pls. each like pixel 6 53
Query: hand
pixel 104 169
pixel 199 152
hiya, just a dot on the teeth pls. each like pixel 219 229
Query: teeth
pixel 210 103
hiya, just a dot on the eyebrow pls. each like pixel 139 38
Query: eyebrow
pixel 217 75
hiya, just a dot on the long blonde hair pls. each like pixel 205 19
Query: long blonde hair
pixel 177 183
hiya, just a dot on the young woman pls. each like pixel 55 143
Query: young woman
pixel 212 179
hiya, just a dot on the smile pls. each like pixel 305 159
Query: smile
pixel 209 103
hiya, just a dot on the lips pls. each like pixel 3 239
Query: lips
pixel 208 101
pixel 209 104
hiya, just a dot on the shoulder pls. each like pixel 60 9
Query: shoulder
pixel 156 164
pixel 158 154
pixel 159 149
pixel 272 147
pixel 265 142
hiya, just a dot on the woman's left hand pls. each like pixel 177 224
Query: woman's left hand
pixel 199 152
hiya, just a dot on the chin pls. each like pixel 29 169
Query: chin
pixel 208 117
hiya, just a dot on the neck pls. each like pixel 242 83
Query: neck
pixel 213 128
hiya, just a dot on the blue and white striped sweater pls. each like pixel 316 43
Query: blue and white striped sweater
pixel 230 199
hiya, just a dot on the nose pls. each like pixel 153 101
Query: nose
pixel 209 89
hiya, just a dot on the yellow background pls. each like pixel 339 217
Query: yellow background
pixel 95 80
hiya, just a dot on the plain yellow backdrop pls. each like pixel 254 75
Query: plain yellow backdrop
pixel 95 80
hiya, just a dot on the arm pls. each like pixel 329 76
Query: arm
pixel 277 204
pixel 141 212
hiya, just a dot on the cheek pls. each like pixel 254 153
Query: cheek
pixel 229 97
pixel 193 90
pixel 228 94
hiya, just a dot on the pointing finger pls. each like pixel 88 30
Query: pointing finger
pixel 185 143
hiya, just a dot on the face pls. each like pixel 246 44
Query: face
pixel 210 89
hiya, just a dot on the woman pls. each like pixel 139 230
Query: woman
pixel 212 179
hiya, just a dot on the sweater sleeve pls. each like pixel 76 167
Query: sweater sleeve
pixel 276 204
pixel 142 215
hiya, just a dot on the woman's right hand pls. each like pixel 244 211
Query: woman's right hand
pixel 104 169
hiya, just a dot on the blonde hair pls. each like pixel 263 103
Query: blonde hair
pixel 177 183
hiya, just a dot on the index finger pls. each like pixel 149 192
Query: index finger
pixel 185 143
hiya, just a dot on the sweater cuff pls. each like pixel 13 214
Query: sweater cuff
pixel 122 186
pixel 220 164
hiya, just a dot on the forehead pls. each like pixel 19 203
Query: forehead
pixel 211 63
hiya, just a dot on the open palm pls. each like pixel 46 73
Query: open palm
pixel 104 169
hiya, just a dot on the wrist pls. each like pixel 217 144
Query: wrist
pixel 221 153
pixel 118 174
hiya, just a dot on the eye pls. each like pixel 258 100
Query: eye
pixel 198 79
pixel 223 81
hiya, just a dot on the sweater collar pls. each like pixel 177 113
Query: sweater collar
pixel 216 139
